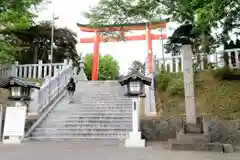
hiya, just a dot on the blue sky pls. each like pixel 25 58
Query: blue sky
pixel 70 13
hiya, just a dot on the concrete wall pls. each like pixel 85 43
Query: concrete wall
pixel 160 129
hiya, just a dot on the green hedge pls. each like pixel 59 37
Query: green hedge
pixel 172 83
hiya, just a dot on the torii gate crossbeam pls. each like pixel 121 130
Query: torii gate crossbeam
pixel 148 36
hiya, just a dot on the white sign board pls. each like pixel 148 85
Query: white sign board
pixel 14 124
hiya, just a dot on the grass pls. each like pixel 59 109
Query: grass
pixel 214 96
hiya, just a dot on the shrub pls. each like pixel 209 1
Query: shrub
pixel 162 79
pixel 170 82
pixel 176 87
pixel 227 73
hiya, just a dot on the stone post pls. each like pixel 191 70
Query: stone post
pixel 14 69
pixel 65 63
pixel 40 64
pixel 70 62
pixel 81 75
pixel 134 139
pixel 187 67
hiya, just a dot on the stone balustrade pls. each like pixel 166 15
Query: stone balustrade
pixel 37 71
pixel 174 63
pixel 233 57
pixel 51 88
pixel 31 71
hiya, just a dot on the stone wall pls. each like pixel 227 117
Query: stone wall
pixel 160 129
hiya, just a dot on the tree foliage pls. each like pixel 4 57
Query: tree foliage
pixel 14 14
pixel 35 43
pixel 206 15
pixel 108 67
pixel 137 66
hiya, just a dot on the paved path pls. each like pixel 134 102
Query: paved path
pixel 101 150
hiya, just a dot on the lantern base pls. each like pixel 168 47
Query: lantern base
pixel 135 141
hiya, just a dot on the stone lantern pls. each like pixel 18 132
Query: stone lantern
pixel 134 87
pixel 19 89
pixel 81 64
pixel 134 84
pixel 81 75
pixel 15 117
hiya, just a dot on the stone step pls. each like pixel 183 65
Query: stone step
pixel 84 113
pixel 66 117
pixel 85 129
pixel 191 137
pixel 118 95
pixel 176 145
pixel 102 85
pixel 89 125
pixel 82 134
pixel 92 109
pixel 102 97
pixel 89 114
pixel 103 91
pixel 94 105
pixel 97 101
pixel 75 138
pixel 105 88
pixel 95 121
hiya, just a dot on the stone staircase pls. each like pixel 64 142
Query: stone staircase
pixel 99 111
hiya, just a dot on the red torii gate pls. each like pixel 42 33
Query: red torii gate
pixel 148 36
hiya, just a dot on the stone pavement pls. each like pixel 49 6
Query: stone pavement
pixel 101 150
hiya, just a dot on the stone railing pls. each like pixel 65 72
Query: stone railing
pixel 6 71
pixel 233 57
pixel 31 71
pixel 202 61
pixel 50 89
pixel 36 71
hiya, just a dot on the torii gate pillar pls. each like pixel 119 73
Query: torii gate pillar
pixel 95 60
pixel 149 48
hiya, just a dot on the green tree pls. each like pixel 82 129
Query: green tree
pixel 35 42
pixel 108 67
pixel 14 14
pixel 137 66
pixel 206 15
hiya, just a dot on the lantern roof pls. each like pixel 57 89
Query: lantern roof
pixel 135 76
pixel 11 81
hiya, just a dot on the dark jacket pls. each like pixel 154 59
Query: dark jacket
pixel 71 86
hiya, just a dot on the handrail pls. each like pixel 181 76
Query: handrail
pixel 49 90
